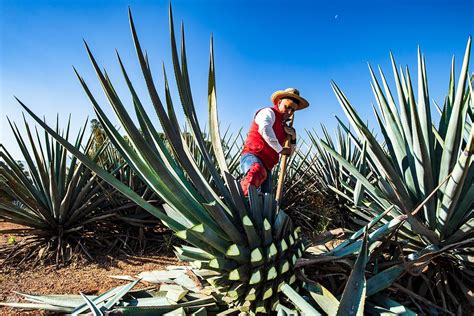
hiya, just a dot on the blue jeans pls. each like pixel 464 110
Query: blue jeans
pixel 246 161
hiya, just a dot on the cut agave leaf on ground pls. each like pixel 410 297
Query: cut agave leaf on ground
pixel 119 294
pixel 187 282
pixel 93 307
pixel 151 301
pixel 173 292
pixel 57 300
pixel 123 277
pixel 323 297
pixel 99 300
pixel 33 306
pixel 162 303
pixel 353 296
pixel 160 276
pixel 299 301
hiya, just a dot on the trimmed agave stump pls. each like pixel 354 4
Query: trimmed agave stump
pixel 248 274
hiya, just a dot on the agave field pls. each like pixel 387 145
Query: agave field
pixel 369 222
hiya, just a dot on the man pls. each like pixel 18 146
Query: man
pixel 266 138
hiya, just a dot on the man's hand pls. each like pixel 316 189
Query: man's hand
pixel 290 131
pixel 287 151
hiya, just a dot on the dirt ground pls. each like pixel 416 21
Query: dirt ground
pixel 86 277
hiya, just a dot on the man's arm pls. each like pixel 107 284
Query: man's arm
pixel 265 119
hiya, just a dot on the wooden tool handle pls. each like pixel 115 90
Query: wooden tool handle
pixel 283 163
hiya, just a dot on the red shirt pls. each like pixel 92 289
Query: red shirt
pixel 256 145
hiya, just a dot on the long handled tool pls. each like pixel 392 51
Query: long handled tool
pixel 283 163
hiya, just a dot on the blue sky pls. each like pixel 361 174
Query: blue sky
pixel 260 46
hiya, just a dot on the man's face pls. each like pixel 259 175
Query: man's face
pixel 287 107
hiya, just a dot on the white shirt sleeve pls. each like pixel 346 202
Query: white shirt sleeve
pixel 265 119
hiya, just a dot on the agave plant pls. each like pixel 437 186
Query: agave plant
pixel 136 230
pixel 335 183
pixel 57 201
pixel 231 147
pixel 246 247
pixel 331 177
pixel 421 163
pixel 302 199
pixel 350 279
pixel 318 189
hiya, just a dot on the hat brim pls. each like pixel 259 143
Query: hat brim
pixel 303 103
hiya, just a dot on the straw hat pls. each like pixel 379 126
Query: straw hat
pixel 291 93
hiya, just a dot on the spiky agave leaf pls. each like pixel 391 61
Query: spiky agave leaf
pixel 404 148
pixel 137 229
pixel 424 168
pixel 249 246
pixel 57 200
pixel 123 300
pixel 337 186
pixel 306 199
pixel 353 297
pixel 231 148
